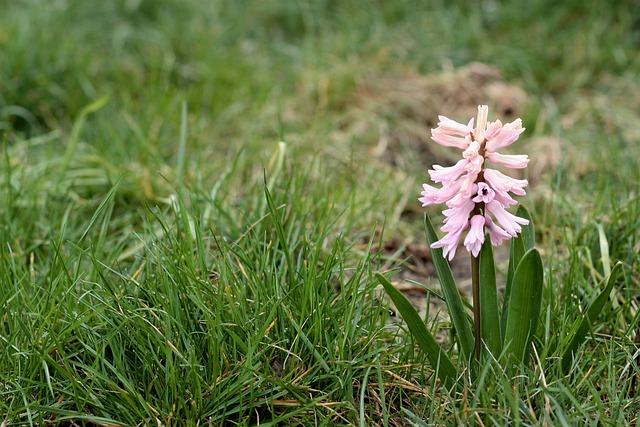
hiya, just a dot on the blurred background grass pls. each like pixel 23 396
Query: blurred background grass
pixel 255 72
pixel 355 85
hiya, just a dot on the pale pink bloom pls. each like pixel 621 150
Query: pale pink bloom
pixel 456 221
pixel 483 114
pixel 503 135
pixel 517 161
pixel 453 127
pixel 451 133
pixel 432 195
pixel 507 220
pixel 468 187
pixel 502 182
pixel 474 167
pixel 472 151
pixel 464 192
pixel 474 159
pixel 496 234
pixel 485 193
pixel 458 216
pixel 504 198
pixel 493 129
pixel 475 237
pixel 460 199
pixel 450 174
pixel 449 243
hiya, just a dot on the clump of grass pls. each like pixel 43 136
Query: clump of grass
pixel 201 323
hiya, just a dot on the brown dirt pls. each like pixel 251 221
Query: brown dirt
pixel 402 109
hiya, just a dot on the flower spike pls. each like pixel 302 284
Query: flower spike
pixel 475 195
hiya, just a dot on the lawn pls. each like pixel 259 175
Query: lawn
pixel 197 195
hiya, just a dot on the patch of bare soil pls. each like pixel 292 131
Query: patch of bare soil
pixel 402 109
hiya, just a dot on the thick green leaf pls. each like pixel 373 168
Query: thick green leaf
pixel 516 252
pixel 588 318
pixel 524 242
pixel 451 295
pixel 489 312
pixel 436 355
pixel 524 307
pixel 528 232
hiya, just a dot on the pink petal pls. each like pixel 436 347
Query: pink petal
pixel 507 220
pixel 493 129
pixel 475 237
pixel 432 195
pixel 502 182
pixel 447 140
pixel 474 166
pixel 457 217
pixel 449 243
pixel 518 161
pixel 485 193
pixel 468 187
pixel 483 112
pixel 461 198
pixel 454 128
pixel 504 136
pixel 449 174
pixel 452 134
pixel 496 234
pixel 472 150
pixel 504 198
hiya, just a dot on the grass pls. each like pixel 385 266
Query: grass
pixel 165 260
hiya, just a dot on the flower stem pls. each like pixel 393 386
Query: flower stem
pixel 475 283
pixel 478 136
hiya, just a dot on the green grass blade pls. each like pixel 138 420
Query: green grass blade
pixel 588 318
pixel 604 250
pixel 489 312
pixel 309 344
pixel 75 133
pixel 524 307
pixel 182 143
pixel 451 294
pixel 436 355
pixel 521 244
pixel 280 232
pixel 101 208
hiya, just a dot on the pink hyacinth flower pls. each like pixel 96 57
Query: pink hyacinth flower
pixel 475 194
pixel 452 134
pixel 475 237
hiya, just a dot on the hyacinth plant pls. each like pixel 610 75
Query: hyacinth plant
pixel 474 195
pixel 477 197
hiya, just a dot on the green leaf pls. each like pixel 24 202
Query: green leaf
pixel 451 294
pixel 588 318
pixel 489 312
pixel 436 355
pixel 524 307
pixel 524 242
pixel 528 232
